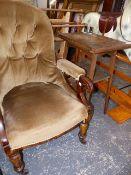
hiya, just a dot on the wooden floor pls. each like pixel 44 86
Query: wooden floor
pixel 122 112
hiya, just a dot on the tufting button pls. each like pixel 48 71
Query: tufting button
pixel 17 26
pixel 35 26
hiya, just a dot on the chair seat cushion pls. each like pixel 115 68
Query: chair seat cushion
pixel 36 112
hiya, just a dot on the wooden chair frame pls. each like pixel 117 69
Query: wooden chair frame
pixel 84 85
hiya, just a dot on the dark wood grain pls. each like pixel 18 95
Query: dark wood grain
pixel 84 86
pixel 93 43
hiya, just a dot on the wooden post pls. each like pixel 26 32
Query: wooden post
pixel 111 70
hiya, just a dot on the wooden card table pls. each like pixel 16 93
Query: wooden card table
pixel 95 45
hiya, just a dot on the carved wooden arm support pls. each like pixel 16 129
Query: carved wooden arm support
pixel 84 92
pixel 84 86
pixel 3 137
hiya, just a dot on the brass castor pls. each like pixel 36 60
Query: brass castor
pixel 24 172
pixel 83 132
pixel 82 139
pixel 17 160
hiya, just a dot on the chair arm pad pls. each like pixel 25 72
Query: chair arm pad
pixel 70 68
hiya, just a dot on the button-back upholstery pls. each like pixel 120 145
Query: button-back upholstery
pixel 26 47
pixel 34 96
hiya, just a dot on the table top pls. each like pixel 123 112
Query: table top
pixel 93 43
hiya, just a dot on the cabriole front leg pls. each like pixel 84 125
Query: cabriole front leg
pixel 15 156
pixel 16 159
pixel 85 125
pixel 85 85
pixel 83 131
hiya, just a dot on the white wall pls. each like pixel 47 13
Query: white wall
pixel 42 3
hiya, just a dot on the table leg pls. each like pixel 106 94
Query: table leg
pixel 76 56
pixel 65 51
pixel 92 66
pixel 112 67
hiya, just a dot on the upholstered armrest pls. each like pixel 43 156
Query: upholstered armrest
pixel 70 69
pixel 3 138
pixel 84 84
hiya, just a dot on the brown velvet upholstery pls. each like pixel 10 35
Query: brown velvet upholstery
pixel 38 104
pixel 27 47
pixel 35 112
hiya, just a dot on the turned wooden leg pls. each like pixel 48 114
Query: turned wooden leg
pixel 83 132
pixel 90 112
pixel 85 124
pixel 16 158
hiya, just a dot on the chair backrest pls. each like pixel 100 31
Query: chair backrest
pixel 26 46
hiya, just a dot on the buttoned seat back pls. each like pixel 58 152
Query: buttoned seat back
pixel 26 47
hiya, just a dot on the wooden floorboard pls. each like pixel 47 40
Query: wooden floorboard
pixel 119 114
pixel 123 111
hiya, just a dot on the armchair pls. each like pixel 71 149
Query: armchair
pixel 36 102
